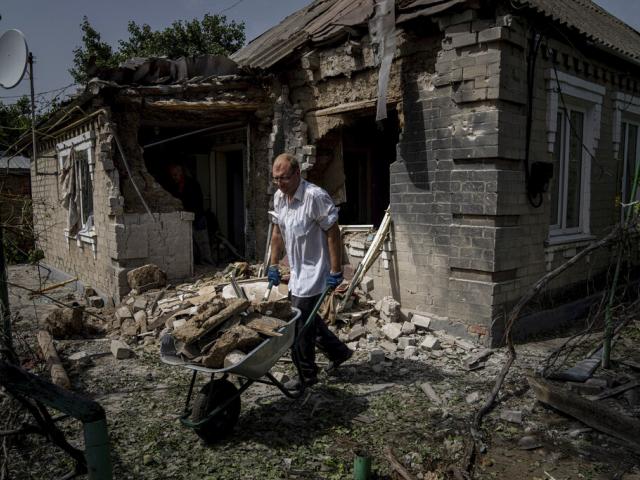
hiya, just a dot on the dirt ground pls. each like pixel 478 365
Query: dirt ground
pixel 363 408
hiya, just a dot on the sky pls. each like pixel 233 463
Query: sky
pixel 52 28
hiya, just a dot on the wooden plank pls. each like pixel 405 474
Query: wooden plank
pixel 58 374
pixel 588 412
pixel 57 285
pixel 612 392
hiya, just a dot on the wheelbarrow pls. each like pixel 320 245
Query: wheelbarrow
pixel 216 407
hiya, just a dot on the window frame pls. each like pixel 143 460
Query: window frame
pixel 81 143
pixel 573 94
pixel 624 144
pixel 565 134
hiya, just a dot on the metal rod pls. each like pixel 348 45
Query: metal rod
pixel 34 146
pixel 195 132
pixel 126 165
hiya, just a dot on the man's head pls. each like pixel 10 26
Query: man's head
pixel 286 173
pixel 176 173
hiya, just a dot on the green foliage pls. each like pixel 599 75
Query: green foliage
pixel 15 120
pixel 211 35
pixel 93 54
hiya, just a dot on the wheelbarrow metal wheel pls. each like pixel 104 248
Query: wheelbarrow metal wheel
pixel 210 397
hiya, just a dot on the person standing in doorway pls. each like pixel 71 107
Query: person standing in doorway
pixel 188 191
pixel 306 226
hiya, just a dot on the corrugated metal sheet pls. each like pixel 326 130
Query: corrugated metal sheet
pixel 325 20
pixel 318 22
pixel 594 22
pixel 15 163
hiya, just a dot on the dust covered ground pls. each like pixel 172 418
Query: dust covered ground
pixel 363 408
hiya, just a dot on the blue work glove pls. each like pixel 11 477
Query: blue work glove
pixel 334 279
pixel 273 274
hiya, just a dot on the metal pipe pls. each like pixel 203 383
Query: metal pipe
pixel 126 165
pixel 22 383
pixel 34 146
pixel 195 132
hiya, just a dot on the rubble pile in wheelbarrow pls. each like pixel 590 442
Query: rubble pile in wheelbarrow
pixel 223 330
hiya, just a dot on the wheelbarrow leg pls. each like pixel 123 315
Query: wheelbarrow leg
pixel 288 393
pixel 187 410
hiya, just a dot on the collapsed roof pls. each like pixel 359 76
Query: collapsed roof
pixel 324 21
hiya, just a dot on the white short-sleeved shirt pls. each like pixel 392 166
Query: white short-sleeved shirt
pixel 303 222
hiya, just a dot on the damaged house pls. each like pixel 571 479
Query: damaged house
pixel 102 175
pixel 502 135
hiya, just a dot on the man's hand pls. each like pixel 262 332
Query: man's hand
pixel 273 274
pixel 334 279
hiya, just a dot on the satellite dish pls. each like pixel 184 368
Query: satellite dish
pixel 13 58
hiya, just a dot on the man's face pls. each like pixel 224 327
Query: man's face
pixel 285 177
pixel 177 175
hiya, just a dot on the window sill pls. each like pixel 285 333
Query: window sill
pixel 84 237
pixel 560 242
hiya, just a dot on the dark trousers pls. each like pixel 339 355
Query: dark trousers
pixel 304 350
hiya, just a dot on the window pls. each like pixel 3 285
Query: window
pixel 569 201
pixel 574 111
pixel 84 185
pixel 76 189
pixel 630 143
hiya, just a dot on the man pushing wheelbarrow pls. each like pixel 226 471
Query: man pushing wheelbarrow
pixel 306 226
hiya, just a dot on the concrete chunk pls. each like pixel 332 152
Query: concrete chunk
pixel 390 308
pixel 140 303
pixel 356 332
pixel 410 352
pixel 513 416
pixel 123 313
pixel 141 320
pixel 430 342
pixel 473 397
pixel 376 356
pixel 389 346
pixel 95 301
pixel 431 394
pixel 392 331
pixel 420 321
pixel 121 350
pixel 408 328
pixel 406 342
pixel 234 357
pixel 146 277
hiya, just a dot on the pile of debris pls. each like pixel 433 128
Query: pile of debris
pixel 223 331
pixel 204 322
pixel 386 333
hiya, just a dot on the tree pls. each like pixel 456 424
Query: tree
pixel 92 55
pixel 212 35
pixel 15 120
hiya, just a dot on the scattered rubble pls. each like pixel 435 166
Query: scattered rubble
pixel 146 277
pixel 121 350
pixel 425 370
pixel 65 322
